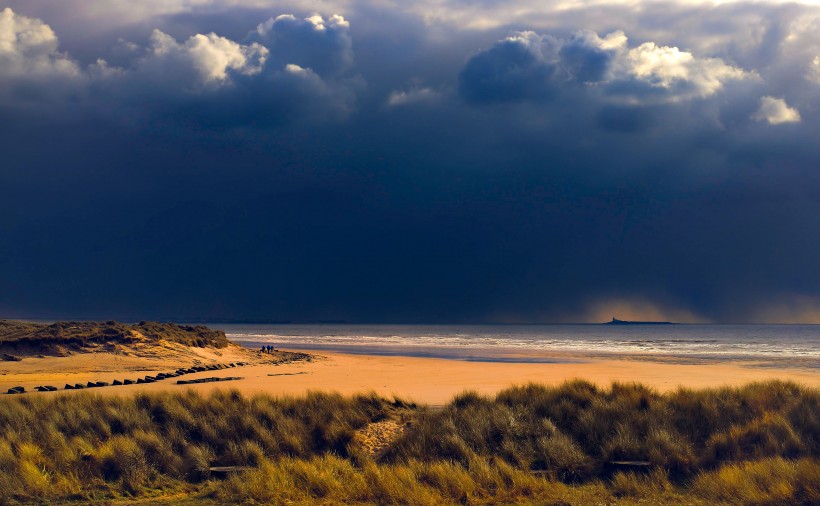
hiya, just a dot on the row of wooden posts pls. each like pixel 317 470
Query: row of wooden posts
pixel 147 379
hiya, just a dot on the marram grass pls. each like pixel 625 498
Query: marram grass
pixel 758 444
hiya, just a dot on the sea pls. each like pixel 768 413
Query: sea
pixel 796 346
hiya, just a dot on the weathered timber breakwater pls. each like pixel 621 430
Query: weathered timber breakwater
pixel 139 381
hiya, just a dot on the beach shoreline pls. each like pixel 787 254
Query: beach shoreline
pixel 426 380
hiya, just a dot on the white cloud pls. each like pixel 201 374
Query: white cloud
pixel 529 39
pixel 814 70
pixel 666 67
pixel 606 68
pixel 101 71
pixel 209 59
pixel 294 69
pixel 528 66
pixel 776 111
pixel 648 73
pixel 28 48
pixel 206 78
pixel 412 96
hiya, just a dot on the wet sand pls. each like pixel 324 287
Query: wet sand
pixel 426 380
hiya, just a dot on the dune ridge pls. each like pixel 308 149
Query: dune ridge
pixel 574 443
pixel 64 337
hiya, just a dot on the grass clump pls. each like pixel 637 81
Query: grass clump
pixel 530 444
pixel 121 446
pixel 576 431
pixel 767 481
pixel 333 480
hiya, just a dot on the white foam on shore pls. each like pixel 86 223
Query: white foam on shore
pixel 718 342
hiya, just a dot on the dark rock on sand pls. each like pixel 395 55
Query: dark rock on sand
pixel 206 380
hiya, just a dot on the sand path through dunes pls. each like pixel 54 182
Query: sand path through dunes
pixel 426 380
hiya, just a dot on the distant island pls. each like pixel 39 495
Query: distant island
pixel 616 321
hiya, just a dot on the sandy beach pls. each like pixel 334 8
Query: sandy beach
pixel 431 381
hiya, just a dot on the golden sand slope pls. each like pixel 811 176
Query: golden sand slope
pixel 132 362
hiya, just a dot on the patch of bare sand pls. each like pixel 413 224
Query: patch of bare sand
pixel 107 364
pixel 376 437
pixel 425 380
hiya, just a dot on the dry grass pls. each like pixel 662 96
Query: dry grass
pixel 41 338
pixel 575 430
pixel 531 444
pixel 769 481
pixel 333 480
pixel 123 445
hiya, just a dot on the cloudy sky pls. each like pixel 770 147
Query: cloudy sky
pixel 425 161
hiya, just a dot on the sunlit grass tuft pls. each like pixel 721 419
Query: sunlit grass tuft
pixel 756 444
pixel 769 481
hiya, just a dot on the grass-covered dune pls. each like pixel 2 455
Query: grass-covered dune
pixel 56 338
pixel 759 444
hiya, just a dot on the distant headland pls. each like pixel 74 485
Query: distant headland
pixel 67 338
pixel 616 321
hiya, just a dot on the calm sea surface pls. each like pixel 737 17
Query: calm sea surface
pixel 772 345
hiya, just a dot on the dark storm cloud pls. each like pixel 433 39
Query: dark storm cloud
pixel 512 70
pixel 585 59
pixel 376 164
pixel 323 46
pixel 524 67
